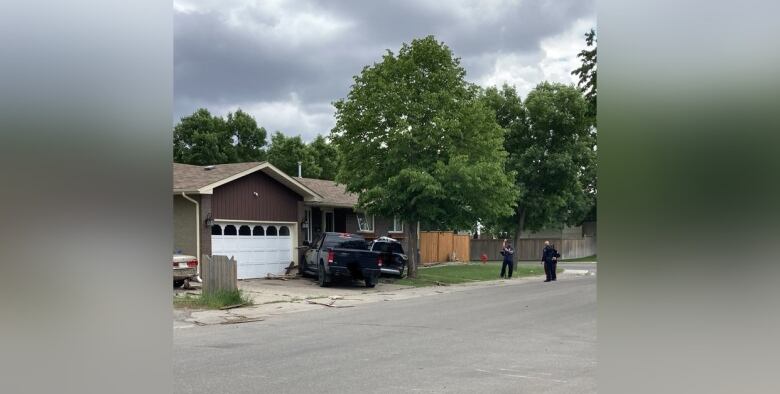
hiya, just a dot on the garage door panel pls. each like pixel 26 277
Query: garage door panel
pixel 258 254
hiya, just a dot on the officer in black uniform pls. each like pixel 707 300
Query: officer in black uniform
pixel 550 260
pixel 507 252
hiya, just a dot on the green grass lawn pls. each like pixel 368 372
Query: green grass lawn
pixel 212 300
pixel 462 273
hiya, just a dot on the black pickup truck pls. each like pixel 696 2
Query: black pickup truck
pixel 340 255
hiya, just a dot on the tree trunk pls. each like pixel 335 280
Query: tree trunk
pixel 518 232
pixel 413 252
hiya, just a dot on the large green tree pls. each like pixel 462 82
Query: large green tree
pixel 248 139
pixel 326 156
pixel 285 153
pixel 202 139
pixel 587 73
pixel 550 146
pixel 416 142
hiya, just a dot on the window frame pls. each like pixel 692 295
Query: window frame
pixel 392 228
pixel 360 230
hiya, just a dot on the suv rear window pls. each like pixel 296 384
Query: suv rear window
pixel 345 241
pixel 388 247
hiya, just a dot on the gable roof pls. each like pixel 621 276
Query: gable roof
pixel 332 193
pixel 203 179
pixel 190 178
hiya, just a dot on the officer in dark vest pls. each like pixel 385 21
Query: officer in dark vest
pixel 550 260
pixel 507 252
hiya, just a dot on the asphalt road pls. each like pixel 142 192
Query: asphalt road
pixel 529 338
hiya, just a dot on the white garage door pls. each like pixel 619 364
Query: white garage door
pixel 259 248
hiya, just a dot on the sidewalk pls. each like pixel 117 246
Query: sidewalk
pixel 273 297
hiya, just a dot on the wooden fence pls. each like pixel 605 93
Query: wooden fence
pixel 218 273
pixel 440 246
pixel 531 249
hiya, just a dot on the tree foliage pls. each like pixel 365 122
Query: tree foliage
pixel 248 139
pixel 550 146
pixel 203 139
pixel 416 142
pixel 587 73
pixel 285 153
pixel 326 156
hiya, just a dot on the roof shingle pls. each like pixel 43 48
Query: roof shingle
pixel 190 178
pixel 332 193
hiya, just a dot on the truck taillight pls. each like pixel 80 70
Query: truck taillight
pixel 192 263
pixel 331 256
pixel 379 261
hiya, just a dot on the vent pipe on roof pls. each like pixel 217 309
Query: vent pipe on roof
pixel 299 169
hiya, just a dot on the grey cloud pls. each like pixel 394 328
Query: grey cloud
pixel 220 65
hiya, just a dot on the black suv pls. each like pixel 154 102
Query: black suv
pixel 393 257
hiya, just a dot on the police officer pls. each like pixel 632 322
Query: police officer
pixel 507 252
pixel 550 260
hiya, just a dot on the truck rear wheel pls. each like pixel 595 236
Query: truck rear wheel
pixel 322 277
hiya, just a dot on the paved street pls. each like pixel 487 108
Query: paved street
pixel 526 338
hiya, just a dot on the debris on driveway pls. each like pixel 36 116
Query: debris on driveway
pixel 330 305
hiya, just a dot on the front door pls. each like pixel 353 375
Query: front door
pixel 340 221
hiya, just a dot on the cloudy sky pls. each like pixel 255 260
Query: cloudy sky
pixel 286 61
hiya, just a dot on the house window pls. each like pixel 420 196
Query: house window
pixel 397 226
pixel 365 223
pixel 271 231
pixel 230 229
pixel 244 231
pixel 284 231
pixel 216 230
pixel 258 231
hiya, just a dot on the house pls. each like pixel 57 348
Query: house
pixel 260 215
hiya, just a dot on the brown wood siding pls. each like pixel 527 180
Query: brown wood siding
pixel 236 200
pixel 382 227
